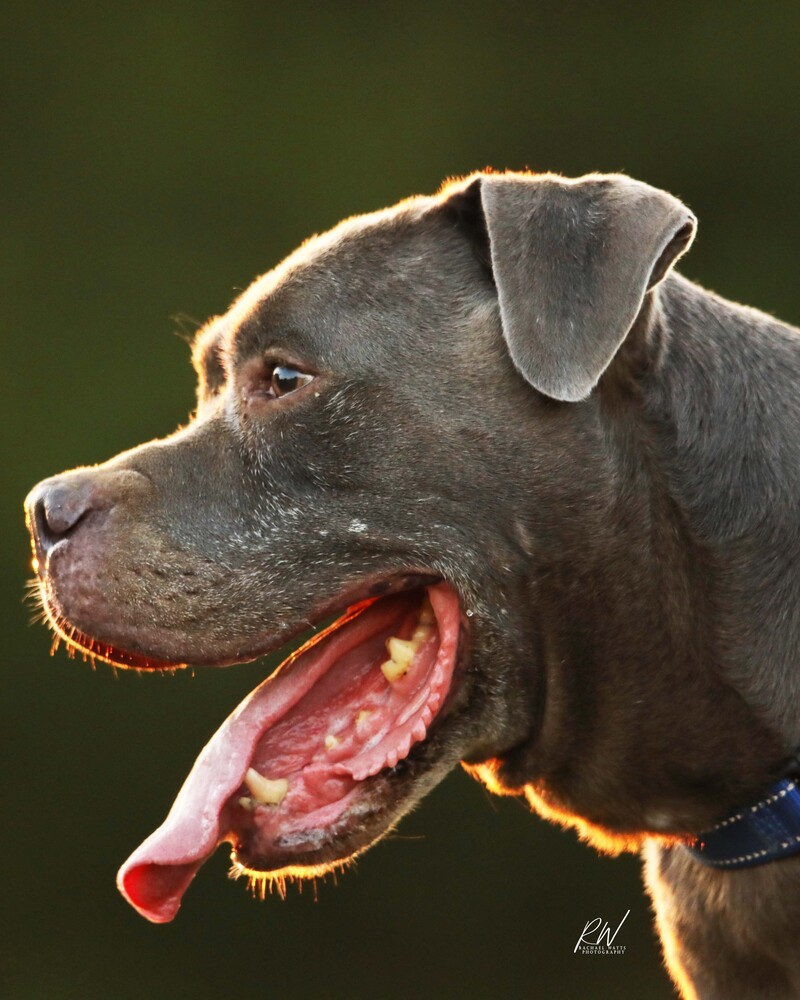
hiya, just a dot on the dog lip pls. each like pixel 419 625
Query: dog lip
pixel 313 850
pixel 361 593
pixel 94 647
pixel 302 851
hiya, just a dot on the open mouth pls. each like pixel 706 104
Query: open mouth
pixel 314 765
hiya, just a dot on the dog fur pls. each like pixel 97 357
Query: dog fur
pixel 515 392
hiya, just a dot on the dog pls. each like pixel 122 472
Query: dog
pixel 550 490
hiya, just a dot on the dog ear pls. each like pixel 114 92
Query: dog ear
pixel 572 261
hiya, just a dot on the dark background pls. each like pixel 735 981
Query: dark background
pixel 155 158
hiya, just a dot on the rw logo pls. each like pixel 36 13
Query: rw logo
pixel 597 938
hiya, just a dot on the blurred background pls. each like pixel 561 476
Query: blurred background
pixel 154 158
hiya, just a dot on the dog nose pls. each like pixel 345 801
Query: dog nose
pixel 55 508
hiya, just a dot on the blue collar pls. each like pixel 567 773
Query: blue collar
pixel 755 834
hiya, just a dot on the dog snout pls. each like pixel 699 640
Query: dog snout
pixel 56 507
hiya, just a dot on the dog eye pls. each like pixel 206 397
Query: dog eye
pixel 286 379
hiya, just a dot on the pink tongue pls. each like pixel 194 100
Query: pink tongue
pixel 157 874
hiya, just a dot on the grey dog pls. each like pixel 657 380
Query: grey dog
pixel 551 490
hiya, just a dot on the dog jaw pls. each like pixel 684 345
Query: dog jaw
pixel 273 784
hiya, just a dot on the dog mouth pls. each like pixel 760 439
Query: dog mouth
pixel 320 759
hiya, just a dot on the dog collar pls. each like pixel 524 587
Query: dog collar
pixel 755 834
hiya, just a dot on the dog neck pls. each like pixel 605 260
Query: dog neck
pixel 655 721
pixel 670 644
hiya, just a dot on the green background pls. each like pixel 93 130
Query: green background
pixel 155 157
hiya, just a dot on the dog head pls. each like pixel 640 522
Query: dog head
pixel 390 427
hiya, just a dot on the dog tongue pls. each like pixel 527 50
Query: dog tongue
pixel 158 873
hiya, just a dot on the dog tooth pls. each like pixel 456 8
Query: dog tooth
pixel 426 613
pixel 267 791
pixel 331 741
pixel 362 716
pixel 393 671
pixel 401 650
pixel 247 803
pixel 420 634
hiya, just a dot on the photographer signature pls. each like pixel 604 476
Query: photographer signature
pixel 597 938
